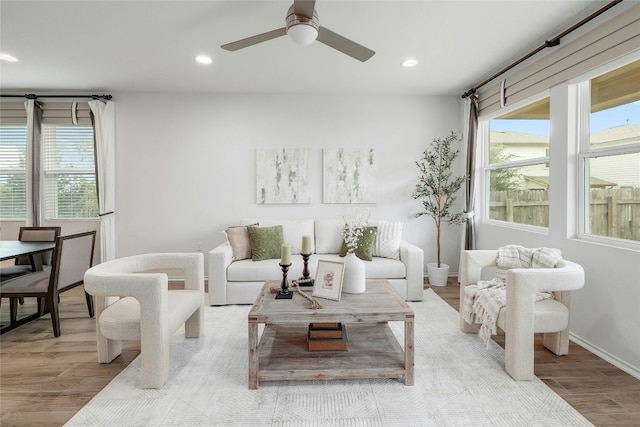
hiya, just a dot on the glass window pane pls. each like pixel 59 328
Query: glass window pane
pixel 521 134
pixel 520 195
pixel 614 196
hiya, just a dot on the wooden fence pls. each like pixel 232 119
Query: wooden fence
pixel 614 212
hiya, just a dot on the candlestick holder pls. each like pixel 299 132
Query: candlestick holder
pixel 305 280
pixel 284 292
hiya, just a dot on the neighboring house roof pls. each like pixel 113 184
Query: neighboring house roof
pixel 620 134
pixel 510 137
pixel 543 181
pixel 629 132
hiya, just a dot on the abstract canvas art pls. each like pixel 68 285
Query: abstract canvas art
pixel 282 175
pixel 349 175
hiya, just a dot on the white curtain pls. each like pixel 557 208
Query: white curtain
pixel 34 150
pixel 103 114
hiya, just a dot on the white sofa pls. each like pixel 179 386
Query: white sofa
pixel 239 281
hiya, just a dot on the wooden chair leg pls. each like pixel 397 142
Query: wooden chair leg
pixel 52 302
pixel 89 304
pixel 13 309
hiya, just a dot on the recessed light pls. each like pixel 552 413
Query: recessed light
pixel 407 63
pixel 204 59
pixel 8 58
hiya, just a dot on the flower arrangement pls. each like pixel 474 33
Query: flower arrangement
pixel 354 221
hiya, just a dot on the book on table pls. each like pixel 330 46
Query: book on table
pixel 327 336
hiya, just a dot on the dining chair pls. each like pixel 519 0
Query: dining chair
pixel 23 264
pixel 72 257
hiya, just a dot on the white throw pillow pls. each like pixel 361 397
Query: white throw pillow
pixel 328 236
pixel 388 239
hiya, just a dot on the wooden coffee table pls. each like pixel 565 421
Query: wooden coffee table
pixel 281 353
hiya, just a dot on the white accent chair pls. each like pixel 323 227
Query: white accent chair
pixel 522 316
pixel 145 309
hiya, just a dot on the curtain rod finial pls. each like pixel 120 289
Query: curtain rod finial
pixel 469 93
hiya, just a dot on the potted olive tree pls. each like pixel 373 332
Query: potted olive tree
pixel 437 189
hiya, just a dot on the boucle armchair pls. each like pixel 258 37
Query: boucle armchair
pixel 145 309
pixel 523 316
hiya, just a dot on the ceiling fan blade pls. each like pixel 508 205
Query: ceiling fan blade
pixel 250 41
pixel 304 7
pixel 344 45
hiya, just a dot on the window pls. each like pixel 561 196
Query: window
pixel 518 165
pixel 13 172
pixel 69 172
pixel 611 156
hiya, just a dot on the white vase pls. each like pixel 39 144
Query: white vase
pixel 354 279
pixel 437 275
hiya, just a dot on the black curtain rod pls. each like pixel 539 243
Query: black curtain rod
pixel 34 96
pixel 548 43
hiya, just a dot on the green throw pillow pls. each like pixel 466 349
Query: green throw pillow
pixel 364 250
pixel 266 242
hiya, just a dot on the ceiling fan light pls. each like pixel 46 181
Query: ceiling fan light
pixel 302 34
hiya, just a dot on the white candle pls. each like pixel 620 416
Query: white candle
pixel 285 255
pixel 306 245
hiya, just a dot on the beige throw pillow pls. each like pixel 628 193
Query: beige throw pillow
pixel 238 238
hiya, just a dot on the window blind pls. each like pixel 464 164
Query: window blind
pixel 63 113
pixel 613 39
pixel 13 172
pixel 69 172
pixel 13 113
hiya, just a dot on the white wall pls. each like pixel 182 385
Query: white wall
pixel 186 163
pixel 605 314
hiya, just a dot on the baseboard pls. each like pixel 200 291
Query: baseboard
pixel 620 364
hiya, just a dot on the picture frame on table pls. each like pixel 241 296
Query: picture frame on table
pixel 328 281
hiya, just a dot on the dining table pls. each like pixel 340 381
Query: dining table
pixel 10 249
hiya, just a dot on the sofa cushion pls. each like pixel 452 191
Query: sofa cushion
pixel 292 231
pixel 259 271
pixel 364 250
pixel 388 239
pixel 266 242
pixel 328 236
pixel 238 238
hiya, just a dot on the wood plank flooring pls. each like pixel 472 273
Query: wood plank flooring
pixel 44 380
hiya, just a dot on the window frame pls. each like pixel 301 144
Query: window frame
pixel 585 152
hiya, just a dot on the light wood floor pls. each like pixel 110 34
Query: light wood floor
pixel 44 380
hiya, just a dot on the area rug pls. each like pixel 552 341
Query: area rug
pixel 458 382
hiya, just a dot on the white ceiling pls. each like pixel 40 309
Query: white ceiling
pixel 150 45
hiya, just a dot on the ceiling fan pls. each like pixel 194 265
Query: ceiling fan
pixel 303 27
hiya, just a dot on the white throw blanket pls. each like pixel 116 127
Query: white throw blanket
pixel 484 300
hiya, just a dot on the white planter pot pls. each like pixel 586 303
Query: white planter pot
pixel 354 279
pixel 437 275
